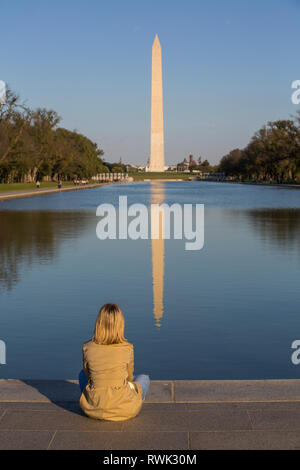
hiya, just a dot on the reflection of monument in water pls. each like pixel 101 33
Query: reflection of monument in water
pixel 158 251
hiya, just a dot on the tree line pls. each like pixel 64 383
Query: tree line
pixel 273 154
pixel 33 146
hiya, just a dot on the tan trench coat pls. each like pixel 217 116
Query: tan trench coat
pixel 111 393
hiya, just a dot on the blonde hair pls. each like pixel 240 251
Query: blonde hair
pixel 110 324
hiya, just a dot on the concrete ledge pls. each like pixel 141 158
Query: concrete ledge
pixel 39 391
pixel 39 192
pixel 178 391
pixel 193 415
pixel 206 391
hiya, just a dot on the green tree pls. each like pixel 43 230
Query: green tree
pixel 32 146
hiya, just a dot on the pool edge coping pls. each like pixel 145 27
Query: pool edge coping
pixel 161 391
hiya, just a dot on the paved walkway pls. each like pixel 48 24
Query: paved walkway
pixel 177 415
pixel 37 192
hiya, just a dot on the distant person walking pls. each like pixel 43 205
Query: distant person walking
pixel 38 184
pixel 108 388
pixel 59 184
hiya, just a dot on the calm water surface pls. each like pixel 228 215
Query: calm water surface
pixel 229 311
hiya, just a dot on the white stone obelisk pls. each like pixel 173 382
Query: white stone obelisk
pixel 157 154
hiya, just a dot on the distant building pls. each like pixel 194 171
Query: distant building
pixel 191 160
pixel 131 168
pixel 135 168
pixel 186 166
pixel 171 168
pixel 183 167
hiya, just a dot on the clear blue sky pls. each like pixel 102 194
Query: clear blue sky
pixel 227 68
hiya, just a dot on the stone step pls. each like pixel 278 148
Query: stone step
pixel 177 391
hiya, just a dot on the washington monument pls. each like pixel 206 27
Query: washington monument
pixel 157 157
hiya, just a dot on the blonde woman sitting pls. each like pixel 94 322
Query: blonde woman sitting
pixel 108 388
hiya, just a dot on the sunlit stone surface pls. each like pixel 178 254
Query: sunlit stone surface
pixel 157 159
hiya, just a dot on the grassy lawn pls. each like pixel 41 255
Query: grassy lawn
pixel 28 186
pixel 164 176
